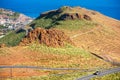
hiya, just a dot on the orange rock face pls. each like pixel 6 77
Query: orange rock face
pixel 50 37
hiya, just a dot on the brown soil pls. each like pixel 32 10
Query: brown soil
pixel 49 37
pixel 21 55
pixel 16 72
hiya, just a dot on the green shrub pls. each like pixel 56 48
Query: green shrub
pixel 12 38
pixel 68 24
pixel 2 27
pixel 44 23
pixel 75 25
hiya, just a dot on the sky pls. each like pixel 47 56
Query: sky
pixel 35 7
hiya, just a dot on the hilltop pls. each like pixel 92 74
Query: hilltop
pixel 88 29
pixel 73 13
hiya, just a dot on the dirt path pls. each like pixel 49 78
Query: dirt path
pixel 76 35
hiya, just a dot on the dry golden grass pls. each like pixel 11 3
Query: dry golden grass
pixel 22 55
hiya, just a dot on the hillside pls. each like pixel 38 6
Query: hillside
pixel 88 29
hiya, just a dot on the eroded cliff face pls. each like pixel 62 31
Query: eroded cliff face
pixel 74 16
pixel 49 37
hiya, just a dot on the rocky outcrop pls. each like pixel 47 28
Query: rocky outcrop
pixel 74 16
pixel 67 13
pixel 49 37
pixel 86 17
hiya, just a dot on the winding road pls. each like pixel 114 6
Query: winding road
pixel 100 73
pixel 96 74
pixel 42 68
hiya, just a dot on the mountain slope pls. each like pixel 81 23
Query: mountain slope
pixel 88 29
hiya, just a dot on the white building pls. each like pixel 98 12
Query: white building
pixel 2 22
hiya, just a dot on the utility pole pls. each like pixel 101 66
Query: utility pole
pixel 11 73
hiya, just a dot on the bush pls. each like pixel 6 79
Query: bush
pixel 12 38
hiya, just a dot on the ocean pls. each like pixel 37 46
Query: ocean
pixel 34 8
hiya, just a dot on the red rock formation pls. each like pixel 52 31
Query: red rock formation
pixel 50 37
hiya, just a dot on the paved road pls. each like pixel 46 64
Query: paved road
pixel 100 73
pixel 97 73
pixel 42 68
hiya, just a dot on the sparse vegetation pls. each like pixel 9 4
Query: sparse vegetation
pixel 4 52
pixel 115 76
pixel 67 49
pixel 12 38
pixel 75 25
pixel 44 23
pixel 55 18
pixel 68 24
pixel 70 76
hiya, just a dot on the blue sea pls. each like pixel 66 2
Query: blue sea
pixel 33 8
